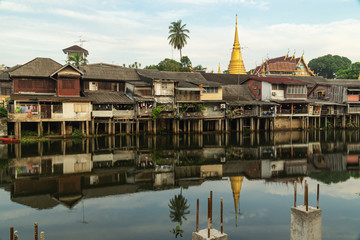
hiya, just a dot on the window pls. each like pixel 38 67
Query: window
pixel 80 107
pixel 57 108
pixel 211 90
pixel 93 86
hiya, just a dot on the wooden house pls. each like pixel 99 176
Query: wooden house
pixel 290 95
pixel 106 77
pixel 47 92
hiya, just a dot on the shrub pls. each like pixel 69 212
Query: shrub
pixel 3 112
pixel 77 132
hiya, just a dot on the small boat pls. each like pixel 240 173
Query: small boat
pixel 10 140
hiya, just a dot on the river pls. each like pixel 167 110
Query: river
pixel 146 187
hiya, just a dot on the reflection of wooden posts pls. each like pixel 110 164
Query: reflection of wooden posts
pixel 221 215
pixel 11 233
pixel 197 215
pixel 295 194
pixel 36 231
pixel 208 228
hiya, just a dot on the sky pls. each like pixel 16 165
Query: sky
pixel 127 31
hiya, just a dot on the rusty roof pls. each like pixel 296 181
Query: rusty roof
pixel 103 71
pixel 109 97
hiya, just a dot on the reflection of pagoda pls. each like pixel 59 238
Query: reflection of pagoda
pixel 236 189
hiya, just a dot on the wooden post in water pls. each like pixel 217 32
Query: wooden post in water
pixel 197 215
pixel 211 201
pixel 306 197
pixel 11 233
pixel 36 231
pixel 221 215
pixel 318 192
pixel 295 194
pixel 42 236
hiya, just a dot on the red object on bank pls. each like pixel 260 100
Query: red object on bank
pixel 10 140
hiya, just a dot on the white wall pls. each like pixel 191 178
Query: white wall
pixel 265 91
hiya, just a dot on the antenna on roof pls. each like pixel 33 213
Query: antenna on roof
pixel 81 41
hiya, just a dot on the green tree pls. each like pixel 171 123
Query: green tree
pixel 327 66
pixel 178 36
pixel 185 61
pixel 134 65
pixel 199 68
pixel 169 65
pixel 77 60
pixel 351 73
pixel 3 112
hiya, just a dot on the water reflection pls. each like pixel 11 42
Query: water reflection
pixel 66 172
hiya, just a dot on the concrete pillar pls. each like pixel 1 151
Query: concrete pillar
pixel 83 128
pixel 16 130
pixel 93 126
pixel 113 127
pixel 319 122
pixel 154 128
pixel 326 122
pixel 306 224
pixel 343 122
pixel 149 126
pixel 252 127
pixel 214 235
pixel 226 125
pixel 87 128
pixel 63 129
pixel 137 126
pixel 266 124
pixel 257 124
pixel 109 127
pixel 220 125
pixel 39 129
pixel 201 125
pixel 241 124
pixel 127 128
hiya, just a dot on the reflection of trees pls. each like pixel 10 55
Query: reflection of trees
pixel 178 210
pixel 334 177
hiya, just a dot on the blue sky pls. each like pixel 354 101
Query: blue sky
pixel 122 31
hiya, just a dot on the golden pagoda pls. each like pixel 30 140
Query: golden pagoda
pixel 236 189
pixel 219 71
pixel 236 65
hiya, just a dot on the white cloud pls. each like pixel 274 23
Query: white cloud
pixel 15 7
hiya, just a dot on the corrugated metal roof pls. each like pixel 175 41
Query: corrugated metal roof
pixel 109 97
pixel 102 71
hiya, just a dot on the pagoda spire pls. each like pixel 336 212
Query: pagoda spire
pixel 236 65
pixel 219 70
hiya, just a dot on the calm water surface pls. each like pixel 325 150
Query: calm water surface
pixel 143 187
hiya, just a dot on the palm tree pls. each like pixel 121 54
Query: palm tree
pixel 77 60
pixel 178 35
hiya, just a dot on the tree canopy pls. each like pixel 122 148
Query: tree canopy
pixel 327 66
pixel 178 36
pixel 171 65
pixel 77 60
pixel 350 73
